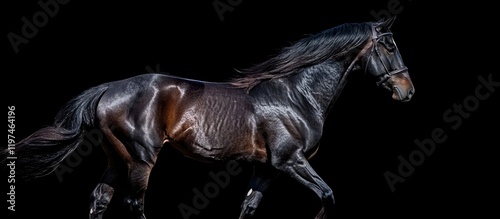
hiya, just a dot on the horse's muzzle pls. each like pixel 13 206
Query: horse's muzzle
pixel 401 94
pixel 401 87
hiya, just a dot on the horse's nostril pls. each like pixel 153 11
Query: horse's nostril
pixel 411 92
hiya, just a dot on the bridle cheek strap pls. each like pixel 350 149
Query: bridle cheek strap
pixel 383 77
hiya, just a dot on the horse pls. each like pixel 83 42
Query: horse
pixel 271 115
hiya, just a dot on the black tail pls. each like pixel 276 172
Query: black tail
pixel 40 153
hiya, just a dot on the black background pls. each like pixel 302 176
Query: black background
pixel 446 47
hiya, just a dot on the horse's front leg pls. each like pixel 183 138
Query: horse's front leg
pixel 296 166
pixel 261 179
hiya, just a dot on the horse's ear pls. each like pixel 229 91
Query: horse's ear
pixel 386 23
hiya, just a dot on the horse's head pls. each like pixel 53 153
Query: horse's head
pixel 382 60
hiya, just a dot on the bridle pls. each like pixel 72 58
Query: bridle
pixel 382 78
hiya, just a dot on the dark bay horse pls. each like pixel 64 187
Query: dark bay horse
pixel 273 116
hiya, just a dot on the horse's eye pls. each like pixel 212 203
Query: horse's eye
pixel 390 50
pixel 388 47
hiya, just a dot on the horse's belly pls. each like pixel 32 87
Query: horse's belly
pixel 228 144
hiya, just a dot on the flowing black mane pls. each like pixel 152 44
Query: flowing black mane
pixel 329 44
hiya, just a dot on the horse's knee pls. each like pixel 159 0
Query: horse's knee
pixel 99 200
pixel 328 197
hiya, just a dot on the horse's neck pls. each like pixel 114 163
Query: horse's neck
pixel 321 84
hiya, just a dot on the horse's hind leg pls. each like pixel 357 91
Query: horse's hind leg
pixel 112 178
pixel 100 198
pixel 102 194
pixel 259 183
pixel 138 183
pixel 138 175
